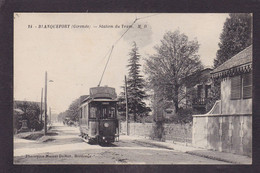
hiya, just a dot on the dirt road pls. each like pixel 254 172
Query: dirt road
pixel 66 147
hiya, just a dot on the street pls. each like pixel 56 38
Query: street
pixel 64 146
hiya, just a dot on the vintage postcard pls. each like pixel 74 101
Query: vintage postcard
pixel 132 88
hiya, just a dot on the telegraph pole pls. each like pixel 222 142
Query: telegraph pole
pixel 45 101
pixel 50 114
pixel 41 105
pixel 126 108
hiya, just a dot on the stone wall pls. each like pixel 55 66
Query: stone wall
pixel 227 133
pixel 175 132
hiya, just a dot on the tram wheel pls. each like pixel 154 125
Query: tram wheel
pixel 98 140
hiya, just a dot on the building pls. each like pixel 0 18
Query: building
pixel 228 125
pixel 236 84
pixel 202 91
pixel 196 94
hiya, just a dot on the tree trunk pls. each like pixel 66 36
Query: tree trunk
pixel 176 105
pixel 176 100
pixel 134 114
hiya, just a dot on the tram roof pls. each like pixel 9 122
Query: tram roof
pixel 89 99
pixel 100 94
pixel 104 100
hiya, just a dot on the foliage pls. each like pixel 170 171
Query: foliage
pixel 31 114
pixel 135 87
pixel 184 116
pixel 16 122
pixel 158 105
pixel 215 94
pixel 158 130
pixel 121 106
pixel 236 36
pixel 72 112
pixel 169 69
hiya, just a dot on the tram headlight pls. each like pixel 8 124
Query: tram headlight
pixel 106 124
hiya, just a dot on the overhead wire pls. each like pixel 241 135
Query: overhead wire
pixel 146 16
pixel 120 37
pixel 136 19
pixel 125 31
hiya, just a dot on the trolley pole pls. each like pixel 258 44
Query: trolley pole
pixel 126 108
pixel 45 109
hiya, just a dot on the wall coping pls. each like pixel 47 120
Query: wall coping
pixel 219 115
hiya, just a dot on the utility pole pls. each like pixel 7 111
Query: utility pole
pixel 50 114
pixel 45 101
pixel 126 108
pixel 41 105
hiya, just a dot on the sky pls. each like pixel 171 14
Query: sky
pixel 73 48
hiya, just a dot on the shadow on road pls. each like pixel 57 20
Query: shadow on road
pixel 107 145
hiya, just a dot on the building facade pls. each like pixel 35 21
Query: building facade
pixel 228 125
pixel 196 94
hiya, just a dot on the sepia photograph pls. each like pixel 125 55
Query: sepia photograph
pixel 132 88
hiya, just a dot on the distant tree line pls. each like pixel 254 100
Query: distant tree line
pixel 72 113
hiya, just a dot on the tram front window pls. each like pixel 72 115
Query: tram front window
pixel 93 112
pixel 103 110
pixel 107 112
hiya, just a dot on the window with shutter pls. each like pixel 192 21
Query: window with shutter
pixel 247 85
pixel 199 91
pixel 236 87
pixel 207 90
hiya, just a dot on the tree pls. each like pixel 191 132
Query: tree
pixel 236 36
pixel 62 116
pixel 169 69
pixel 121 105
pixel 31 114
pixel 73 111
pixel 135 86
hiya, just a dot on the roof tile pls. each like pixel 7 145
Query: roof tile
pixel 243 57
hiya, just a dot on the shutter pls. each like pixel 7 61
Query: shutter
pixel 236 87
pixel 85 112
pixel 199 91
pixel 207 90
pixel 247 85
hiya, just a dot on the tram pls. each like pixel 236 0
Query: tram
pixel 98 116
